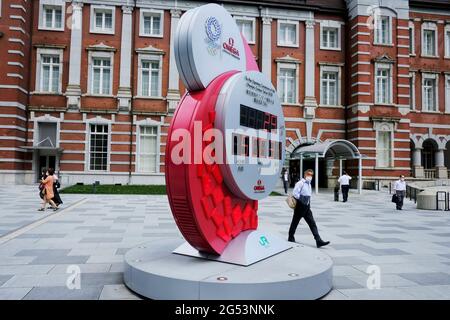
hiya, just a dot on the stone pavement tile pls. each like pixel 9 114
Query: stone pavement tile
pixel 428 292
pixel 97 279
pixel 105 259
pixel 371 238
pixel 13 293
pixel 85 268
pixel 42 252
pixel 118 292
pixel 122 251
pixel 41 236
pixel 5 261
pixel 397 268
pixel 386 281
pixel 369 250
pixel 427 279
pixel 341 282
pixel 24 281
pixel 445 244
pixel 335 295
pixel 25 269
pixel 92 251
pixel 341 261
pixel 347 271
pixel 4 278
pixel 377 294
pixel 117 267
pixel 388 231
pixel 101 240
pixel 63 293
pixel 60 260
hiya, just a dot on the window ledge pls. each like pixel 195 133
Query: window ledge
pixel 383 44
pixel 383 104
pixel 412 55
pixel 430 57
pixel 90 95
pixel 143 35
pixel 96 31
pixel 51 29
pixel 149 98
pixel 433 112
pixel 288 45
pixel 40 93
pixel 385 168
pixel 331 49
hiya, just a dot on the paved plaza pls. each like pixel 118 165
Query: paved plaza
pixel 91 233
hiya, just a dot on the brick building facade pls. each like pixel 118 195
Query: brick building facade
pixel 89 87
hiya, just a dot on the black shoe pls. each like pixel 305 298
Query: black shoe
pixel 321 243
pixel 291 239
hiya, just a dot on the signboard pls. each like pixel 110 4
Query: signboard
pixel 225 146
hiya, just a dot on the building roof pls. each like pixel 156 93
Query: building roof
pixel 336 6
pixel 430 4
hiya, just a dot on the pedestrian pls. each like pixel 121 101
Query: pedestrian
pixel 56 185
pixel 400 191
pixel 285 178
pixel 302 193
pixel 41 185
pixel 344 181
pixel 48 191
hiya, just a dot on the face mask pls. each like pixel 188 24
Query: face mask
pixel 402 179
pixel 309 178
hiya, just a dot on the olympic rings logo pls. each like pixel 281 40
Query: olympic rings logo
pixel 213 29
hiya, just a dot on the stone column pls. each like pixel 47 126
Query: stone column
pixel 441 169
pixel 418 171
pixel 266 59
pixel 310 96
pixel 124 94
pixel 73 91
pixel 173 93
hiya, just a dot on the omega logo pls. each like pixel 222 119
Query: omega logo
pixel 230 48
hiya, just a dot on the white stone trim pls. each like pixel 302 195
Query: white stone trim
pixel 47 51
pixel 429 26
pixel 447 41
pixel 291 22
pixel 54 3
pixel 338 70
pixel 149 57
pixel 100 54
pixel 331 24
pixel 253 21
pixel 447 93
pixel 93 27
pixel 142 13
pixel 434 76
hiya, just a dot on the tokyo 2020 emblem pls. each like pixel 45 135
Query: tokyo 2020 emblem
pixel 213 31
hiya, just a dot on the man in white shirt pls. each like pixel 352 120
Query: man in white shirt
pixel 302 193
pixel 400 191
pixel 344 182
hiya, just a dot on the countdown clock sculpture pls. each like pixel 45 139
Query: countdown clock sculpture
pixel 225 145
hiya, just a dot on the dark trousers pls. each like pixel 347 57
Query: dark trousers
pixel 345 189
pixel 285 184
pixel 400 197
pixel 302 211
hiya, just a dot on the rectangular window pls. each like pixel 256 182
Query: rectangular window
pixel 52 17
pixel 447 94
pixel 101 76
pixel 330 38
pixel 102 19
pixel 383 84
pixel 411 93
pixel 384 149
pixel 383 30
pixel 429 94
pixel 247 28
pixel 150 78
pixel 411 39
pixel 151 23
pixel 429 42
pixel 329 88
pixel 98 147
pixel 447 41
pixel 287 34
pixel 287 85
pixel 148 149
pixel 50 73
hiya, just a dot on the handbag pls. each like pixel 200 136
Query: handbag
pixel 394 198
pixel 291 201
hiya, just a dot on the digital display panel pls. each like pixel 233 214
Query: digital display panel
pixel 257 119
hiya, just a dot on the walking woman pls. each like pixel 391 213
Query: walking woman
pixel 56 185
pixel 48 191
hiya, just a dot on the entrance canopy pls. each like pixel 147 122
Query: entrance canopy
pixel 329 149
pixel 335 149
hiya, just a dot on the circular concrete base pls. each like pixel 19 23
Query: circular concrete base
pixel 153 271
